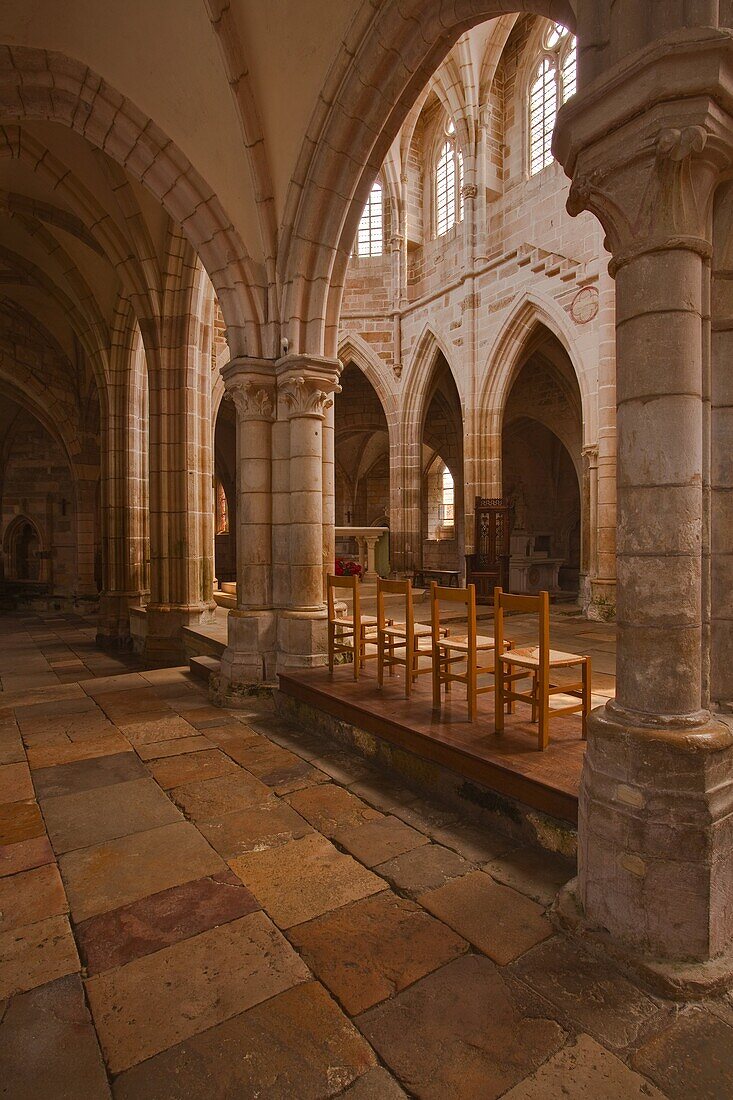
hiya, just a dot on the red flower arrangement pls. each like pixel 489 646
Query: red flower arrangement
pixel 347 568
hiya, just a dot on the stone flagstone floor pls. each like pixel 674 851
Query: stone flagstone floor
pixel 196 902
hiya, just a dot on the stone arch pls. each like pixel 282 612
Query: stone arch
pixel 529 315
pixel 417 378
pixel 505 359
pixel 354 348
pixel 378 75
pixel 47 86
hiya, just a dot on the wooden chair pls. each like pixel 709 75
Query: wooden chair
pixel 398 643
pixel 537 663
pixel 468 647
pixel 348 633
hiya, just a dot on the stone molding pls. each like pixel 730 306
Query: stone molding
pixel 306 385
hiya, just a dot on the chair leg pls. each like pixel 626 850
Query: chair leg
pixel 472 690
pixel 543 732
pixel 380 659
pixel 409 662
pixel 391 656
pixel 510 702
pixel 535 690
pixel 331 639
pixel 436 678
pixel 357 652
pixel 499 699
pixel 586 695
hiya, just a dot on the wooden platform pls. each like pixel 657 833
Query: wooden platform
pixel 509 764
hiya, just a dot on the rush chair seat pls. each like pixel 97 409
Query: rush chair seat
pixel 537 662
pixel 454 649
pixel 398 643
pixel 348 633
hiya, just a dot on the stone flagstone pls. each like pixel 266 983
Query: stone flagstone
pixel 156 1001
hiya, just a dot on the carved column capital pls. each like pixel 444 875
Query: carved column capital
pixel 590 454
pixel 306 384
pixel 658 198
pixel 648 166
pixel 469 191
pixel 250 385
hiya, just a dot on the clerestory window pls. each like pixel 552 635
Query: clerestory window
pixel 553 82
pixel 370 237
pixel 448 183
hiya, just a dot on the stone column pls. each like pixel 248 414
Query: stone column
pixel 406 535
pixel 602 604
pixel 250 654
pixel 305 385
pixel 124 507
pixel 329 494
pixel 589 534
pixel 370 573
pixel 721 510
pixel 86 589
pixel 655 848
pixel 181 500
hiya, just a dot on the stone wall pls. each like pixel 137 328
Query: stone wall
pixel 37 485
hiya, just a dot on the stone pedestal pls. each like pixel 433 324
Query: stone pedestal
pixel 113 624
pixel 164 644
pixel 655 859
pixel 249 658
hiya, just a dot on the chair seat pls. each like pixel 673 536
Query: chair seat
pixel 399 630
pixel 529 657
pixel 347 620
pixel 461 643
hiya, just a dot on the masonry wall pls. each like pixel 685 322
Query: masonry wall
pixel 37 484
pixel 478 296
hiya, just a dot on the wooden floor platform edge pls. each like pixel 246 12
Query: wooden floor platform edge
pixel 495 777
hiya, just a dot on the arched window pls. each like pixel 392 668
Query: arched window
pixel 370 238
pixel 441 498
pixel 221 510
pixel 553 82
pixel 448 183
pixel 448 500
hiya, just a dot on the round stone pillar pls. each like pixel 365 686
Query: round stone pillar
pixel 655 857
pixel 305 388
pixel 251 635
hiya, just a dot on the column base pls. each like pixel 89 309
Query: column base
pixel 602 601
pixel 249 660
pixel 655 837
pixel 164 646
pixel 676 981
pixel 113 625
pixel 302 639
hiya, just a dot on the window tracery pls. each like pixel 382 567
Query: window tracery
pixel 553 82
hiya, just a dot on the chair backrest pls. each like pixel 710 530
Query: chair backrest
pixel 466 597
pixel 345 584
pixel 395 588
pixel 527 605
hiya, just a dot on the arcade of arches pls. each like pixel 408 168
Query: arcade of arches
pixel 273 271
